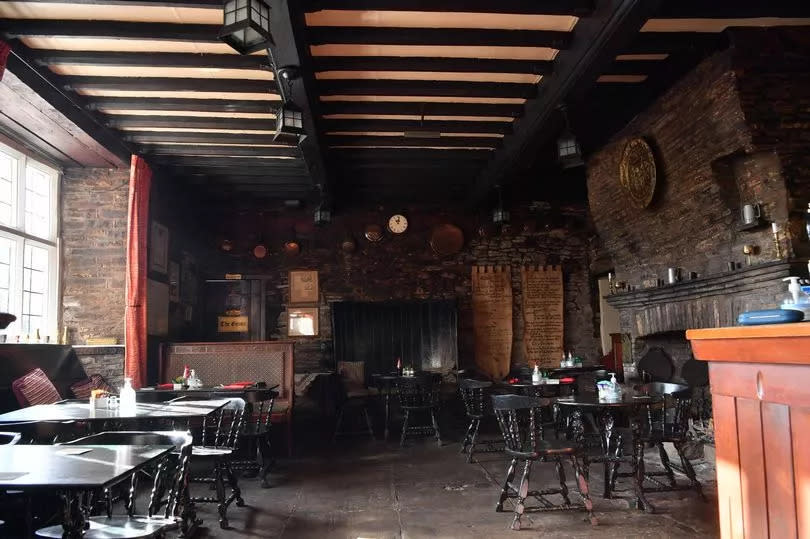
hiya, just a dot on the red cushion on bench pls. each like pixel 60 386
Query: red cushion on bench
pixel 35 388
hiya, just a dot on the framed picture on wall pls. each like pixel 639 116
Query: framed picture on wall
pixel 302 321
pixel 304 286
pixel 159 248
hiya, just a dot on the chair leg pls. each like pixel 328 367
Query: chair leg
pixel 581 475
pixel 561 476
pixel 289 436
pixel 436 427
pixel 404 429
pixel 368 421
pixel 263 444
pixel 639 476
pixel 466 441
pixel 510 476
pixel 689 470
pixel 662 452
pixel 523 492
pixel 472 440
pixel 236 492
pixel 338 423
pixel 222 507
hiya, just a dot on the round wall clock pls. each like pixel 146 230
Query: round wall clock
pixel 397 224
pixel 637 172
pixel 374 233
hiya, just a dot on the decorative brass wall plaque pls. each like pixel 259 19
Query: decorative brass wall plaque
pixel 637 172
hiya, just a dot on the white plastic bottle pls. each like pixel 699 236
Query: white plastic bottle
pixel 615 388
pixel 127 399
pixel 536 376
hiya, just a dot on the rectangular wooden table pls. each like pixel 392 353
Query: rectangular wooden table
pixel 81 411
pixel 69 471
pixel 760 384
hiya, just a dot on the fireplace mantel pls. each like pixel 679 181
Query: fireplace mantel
pixel 711 301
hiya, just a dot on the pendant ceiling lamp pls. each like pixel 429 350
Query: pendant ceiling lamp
pixel 500 216
pixel 569 154
pixel 246 25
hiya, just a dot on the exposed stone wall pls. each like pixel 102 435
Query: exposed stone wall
pixel 406 268
pixel 107 361
pixel 94 230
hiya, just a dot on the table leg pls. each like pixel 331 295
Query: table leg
pixel 74 523
pixel 387 399
pixel 638 470
pixel 608 421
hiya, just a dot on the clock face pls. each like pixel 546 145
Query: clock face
pixel 398 224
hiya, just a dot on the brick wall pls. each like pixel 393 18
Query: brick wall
pixel 406 268
pixel 94 228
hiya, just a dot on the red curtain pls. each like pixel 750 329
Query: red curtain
pixel 4 50
pixel 140 183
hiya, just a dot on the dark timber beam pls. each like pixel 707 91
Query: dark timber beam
pixel 137 121
pixel 732 9
pixel 157 31
pixel 181 104
pixel 168 84
pixel 151 59
pixel 152 137
pixel 427 125
pixel 666 42
pixel 322 35
pixel 250 180
pixel 195 149
pixel 411 155
pixel 579 8
pixel 50 87
pixel 189 168
pixel 418 109
pixel 228 162
pixel 474 142
pixel 599 39
pixel 427 88
pixel 288 26
pixel 453 65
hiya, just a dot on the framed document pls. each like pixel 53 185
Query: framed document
pixel 304 286
pixel 302 321
pixel 159 248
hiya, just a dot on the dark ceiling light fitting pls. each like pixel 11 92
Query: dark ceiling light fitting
pixel 246 25
pixel 323 215
pixel 500 216
pixel 289 116
pixel 569 154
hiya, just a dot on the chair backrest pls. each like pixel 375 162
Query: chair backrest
pixel 9 438
pixel 674 409
pixel 222 428
pixel 352 373
pixel 474 393
pixel 171 472
pixel 258 407
pixel 35 388
pixel 520 420
pixel 419 391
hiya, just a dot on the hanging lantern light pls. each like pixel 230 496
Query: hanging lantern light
pixel 323 215
pixel 290 124
pixel 569 154
pixel 246 25
pixel 500 216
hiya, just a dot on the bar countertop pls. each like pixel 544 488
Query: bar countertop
pixel 777 343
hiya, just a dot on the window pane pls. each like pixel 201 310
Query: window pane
pixel 7 248
pixel 35 289
pixel 37 202
pixel 8 189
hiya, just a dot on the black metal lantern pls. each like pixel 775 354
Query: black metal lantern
pixel 290 124
pixel 323 216
pixel 246 25
pixel 569 154
pixel 500 216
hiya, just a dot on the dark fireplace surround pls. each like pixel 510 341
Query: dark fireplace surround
pixel 659 317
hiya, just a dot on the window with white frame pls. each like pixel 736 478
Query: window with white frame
pixel 28 253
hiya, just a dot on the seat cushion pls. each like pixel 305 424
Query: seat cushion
pixel 35 388
pixel 83 388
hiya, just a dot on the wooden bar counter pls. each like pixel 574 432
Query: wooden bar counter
pixel 760 384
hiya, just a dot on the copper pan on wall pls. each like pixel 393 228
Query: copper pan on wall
pixel 446 239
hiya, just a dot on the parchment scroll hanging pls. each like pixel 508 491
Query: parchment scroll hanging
pixel 492 319
pixel 543 315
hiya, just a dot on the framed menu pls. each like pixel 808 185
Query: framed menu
pixel 492 319
pixel 304 286
pixel 542 315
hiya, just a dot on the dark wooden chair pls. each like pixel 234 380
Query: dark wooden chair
pixel 218 442
pixel 254 437
pixel 354 395
pixel 478 406
pixel 519 418
pixel 168 508
pixel 419 395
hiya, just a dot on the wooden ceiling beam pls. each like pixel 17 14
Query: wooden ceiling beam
pixel 428 109
pixel 190 122
pixel 464 142
pixel 194 149
pixel 153 31
pixel 667 42
pixel 427 125
pixel 190 167
pixel 732 9
pixel 427 88
pixel 170 84
pixel 181 104
pixel 453 65
pixel 579 8
pixel 361 35
pixel 599 39
pixel 152 137
pixel 364 155
pixel 231 162
pixel 249 180
pixel 150 59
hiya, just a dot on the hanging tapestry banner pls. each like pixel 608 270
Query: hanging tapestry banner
pixel 492 319
pixel 542 315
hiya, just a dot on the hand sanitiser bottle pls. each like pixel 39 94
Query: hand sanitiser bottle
pixel 537 377
pixel 127 399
